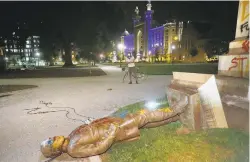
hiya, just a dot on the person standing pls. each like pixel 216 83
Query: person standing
pixel 131 67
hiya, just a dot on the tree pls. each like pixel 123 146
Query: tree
pixel 216 47
pixel 82 25
pixel 14 61
pixel 157 53
pixel 193 51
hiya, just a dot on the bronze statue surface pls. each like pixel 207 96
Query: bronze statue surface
pixel 98 136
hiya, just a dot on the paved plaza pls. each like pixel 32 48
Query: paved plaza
pixel 24 117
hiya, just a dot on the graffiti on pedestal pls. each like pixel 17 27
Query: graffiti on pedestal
pixel 245 46
pixel 242 29
pixel 235 61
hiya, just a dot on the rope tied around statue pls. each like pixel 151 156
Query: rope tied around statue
pixel 39 110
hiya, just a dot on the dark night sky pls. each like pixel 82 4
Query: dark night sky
pixel 85 18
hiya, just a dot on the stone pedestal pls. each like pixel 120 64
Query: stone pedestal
pixel 213 101
pixel 234 65
pixel 236 62
pixel 191 118
pixel 218 101
pixel 204 108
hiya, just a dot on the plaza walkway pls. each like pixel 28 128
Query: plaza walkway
pixel 22 131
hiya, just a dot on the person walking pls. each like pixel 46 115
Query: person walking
pixel 131 68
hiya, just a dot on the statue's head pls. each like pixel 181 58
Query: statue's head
pixel 52 147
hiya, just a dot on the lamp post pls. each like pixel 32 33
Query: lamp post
pixel 38 57
pixel 102 57
pixel 173 48
pixel 6 60
pixel 121 47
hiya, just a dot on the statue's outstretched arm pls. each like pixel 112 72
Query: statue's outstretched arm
pixel 163 122
pixel 99 147
pixel 161 116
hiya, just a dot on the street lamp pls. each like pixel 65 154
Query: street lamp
pixel 101 56
pixel 38 56
pixel 6 60
pixel 121 47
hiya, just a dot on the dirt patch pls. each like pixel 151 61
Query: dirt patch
pixel 11 88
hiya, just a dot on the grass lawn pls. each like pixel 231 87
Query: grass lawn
pixel 162 144
pixel 54 72
pixel 167 69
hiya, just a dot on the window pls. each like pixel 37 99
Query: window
pixel 15 50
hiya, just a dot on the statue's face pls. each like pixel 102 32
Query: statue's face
pixel 52 146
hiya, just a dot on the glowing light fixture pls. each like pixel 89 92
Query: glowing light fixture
pixel 173 47
pixel 121 46
pixel 175 38
pixel 152 105
pixel 101 56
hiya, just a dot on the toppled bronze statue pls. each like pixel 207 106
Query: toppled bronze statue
pixel 97 137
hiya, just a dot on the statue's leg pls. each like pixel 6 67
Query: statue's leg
pixel 128 133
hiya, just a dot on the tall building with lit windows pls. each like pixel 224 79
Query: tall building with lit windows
pixel 30 52
pixel 32 47
pixel 148 40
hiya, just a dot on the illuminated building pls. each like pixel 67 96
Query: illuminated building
pixel 15 51
pixel 32 47
pixel 146 40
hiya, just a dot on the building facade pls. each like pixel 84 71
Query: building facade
pixel 18 54
pixel 147 41
pixel 169 42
